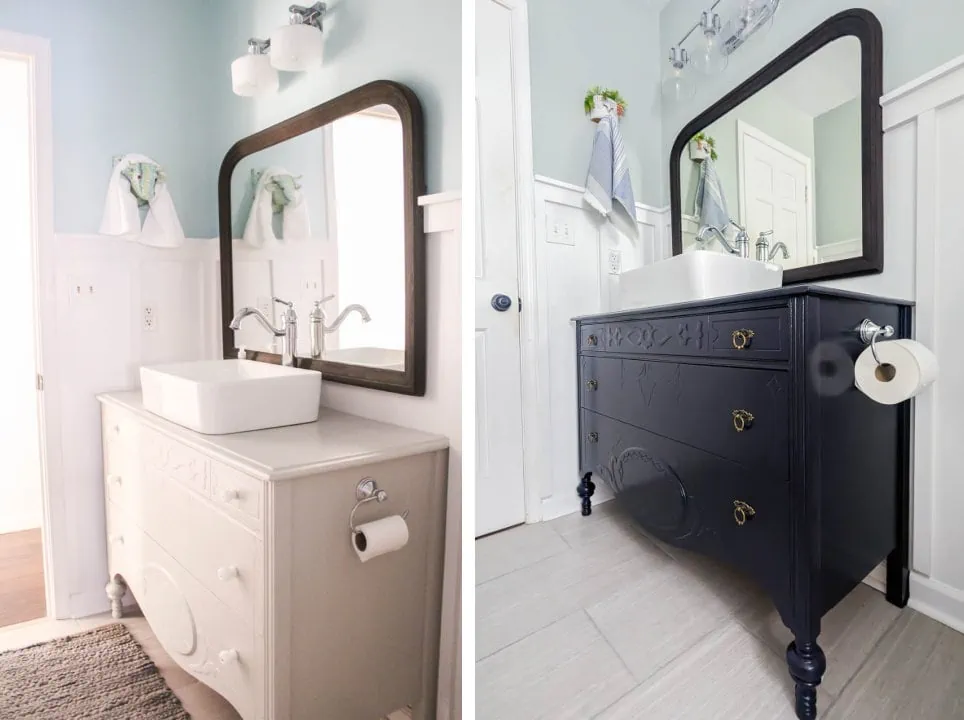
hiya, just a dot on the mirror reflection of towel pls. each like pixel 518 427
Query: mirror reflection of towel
pixel 277 188
pixel 710 203
pixel 132 182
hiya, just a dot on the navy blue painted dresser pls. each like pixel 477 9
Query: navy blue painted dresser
pixel 732 427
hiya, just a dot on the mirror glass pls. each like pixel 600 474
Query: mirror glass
pixel 785 165
pixel 319 221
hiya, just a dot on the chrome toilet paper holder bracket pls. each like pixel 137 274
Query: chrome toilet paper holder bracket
pixel 869 332
pixel 367 491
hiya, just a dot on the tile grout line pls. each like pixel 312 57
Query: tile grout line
pixel 610 646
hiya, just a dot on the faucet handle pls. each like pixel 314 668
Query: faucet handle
pixel 766 234
pixel 324 299
pixel 283 302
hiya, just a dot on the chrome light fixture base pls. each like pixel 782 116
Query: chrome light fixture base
pixel 754 17
pixel 311 15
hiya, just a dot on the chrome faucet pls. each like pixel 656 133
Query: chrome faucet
pixel 288 330
pixel 742 241
pixel 319 329
pixel 764 253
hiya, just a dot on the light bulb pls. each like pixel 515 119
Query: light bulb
pixel 709 57
pixel 678 83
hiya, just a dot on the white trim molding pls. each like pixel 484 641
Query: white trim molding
pixel 442 212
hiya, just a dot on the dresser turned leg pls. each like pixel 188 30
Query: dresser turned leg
pixel 116 589
pixel 585 490
pixel 807 665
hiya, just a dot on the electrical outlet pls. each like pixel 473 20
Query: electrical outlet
pixel 615 262
pixel 150 319
pixel 264 304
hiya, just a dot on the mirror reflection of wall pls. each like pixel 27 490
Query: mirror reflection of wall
pixel 320 219
pixel 788 160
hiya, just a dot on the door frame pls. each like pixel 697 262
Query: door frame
pixel 744 129
pixel 532 440
pixel 54 531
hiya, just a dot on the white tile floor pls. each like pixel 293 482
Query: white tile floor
pixel 587 618
pixel 201 702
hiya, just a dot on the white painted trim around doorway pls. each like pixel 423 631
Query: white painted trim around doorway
pixel 54 523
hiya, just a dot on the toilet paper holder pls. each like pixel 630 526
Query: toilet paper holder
pixel 367 491
pixel 869 331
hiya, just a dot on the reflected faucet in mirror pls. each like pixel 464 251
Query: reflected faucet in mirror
pixel 288 330
pixel 764 253
pixel 319 329
pixel 742 241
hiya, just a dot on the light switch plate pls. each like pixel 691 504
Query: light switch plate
pixel 558 227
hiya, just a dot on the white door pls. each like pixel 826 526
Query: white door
pixel 500 490
pixel 775 195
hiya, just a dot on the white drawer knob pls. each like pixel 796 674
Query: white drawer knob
pixel 116 479
pixel 118 539
pixel 226 573
pixel 228 656
pixel 229 495
pixel 116 429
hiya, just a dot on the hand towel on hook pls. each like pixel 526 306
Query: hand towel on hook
pixel 295 224
pixel 609 182
pixel 122 218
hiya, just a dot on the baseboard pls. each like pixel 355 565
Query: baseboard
pixel 558 506
pixel 937 600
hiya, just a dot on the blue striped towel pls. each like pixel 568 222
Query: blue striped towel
pixel 609 181
pixel 710 203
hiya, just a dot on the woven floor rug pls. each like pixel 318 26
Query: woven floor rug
pixel 98 675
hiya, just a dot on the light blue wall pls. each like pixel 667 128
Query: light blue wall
pixel 838 174
pixel 416 43
pixel 129 77
pixel 574 46
pixel 918 36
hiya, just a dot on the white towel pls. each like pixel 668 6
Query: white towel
pixel 609 178
pixel 122 218
pixel 295 224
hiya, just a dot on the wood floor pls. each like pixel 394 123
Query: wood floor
pixel 21 577
pixel 586 618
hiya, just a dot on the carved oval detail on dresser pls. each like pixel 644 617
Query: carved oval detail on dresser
pixel 649 488
pixel 171 616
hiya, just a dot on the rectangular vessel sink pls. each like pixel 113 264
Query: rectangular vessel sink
pixel 696 275
pixel 218 397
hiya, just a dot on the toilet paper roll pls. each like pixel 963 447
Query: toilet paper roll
pixel 379 537
pixel 907 367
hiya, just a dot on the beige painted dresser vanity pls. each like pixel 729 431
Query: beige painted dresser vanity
pixel 237 549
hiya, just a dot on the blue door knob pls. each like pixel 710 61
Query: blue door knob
pixel 501 302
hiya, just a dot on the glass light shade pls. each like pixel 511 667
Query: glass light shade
pixel 679 83
pixel 708 56
pixel 297 47
pixel 253 75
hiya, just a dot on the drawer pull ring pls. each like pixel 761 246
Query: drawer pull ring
pixel 593 437
pixel 592 384
pixel 742 339
pixel 229 495
pixel 228 656
pixel 592 340
pixel 742 420
pixel 742 512
pixel 227 573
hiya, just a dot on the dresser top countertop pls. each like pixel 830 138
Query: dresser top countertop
pixel 335 441
pixel 723 303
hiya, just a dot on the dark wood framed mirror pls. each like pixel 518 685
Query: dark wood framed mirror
pixel 321 211
pixel 793 158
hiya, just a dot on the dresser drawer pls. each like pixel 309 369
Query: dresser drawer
pixel 124 547
pixel 240 496
pixel 751 335
pixel 591 337
pixel 122 459
pixel 737 413
pixel 202 634
pixel 216 550
pixel 692 499
pixel 176 460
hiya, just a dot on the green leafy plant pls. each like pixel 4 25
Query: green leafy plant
pixel 703 137
pixel 607 93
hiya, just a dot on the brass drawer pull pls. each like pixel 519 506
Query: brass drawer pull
pixel 742 512
pixel 593 437
pixel 742 420
pixel 592 384
pixel 592 340
pixel 742 339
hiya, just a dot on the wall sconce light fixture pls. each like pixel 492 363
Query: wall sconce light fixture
pixel 295 47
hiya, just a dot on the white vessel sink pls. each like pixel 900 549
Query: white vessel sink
pixel 218 397
pixel 696 275
pixel 368 356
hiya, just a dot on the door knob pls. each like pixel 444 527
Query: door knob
pixel 592 384
pixel 501 302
